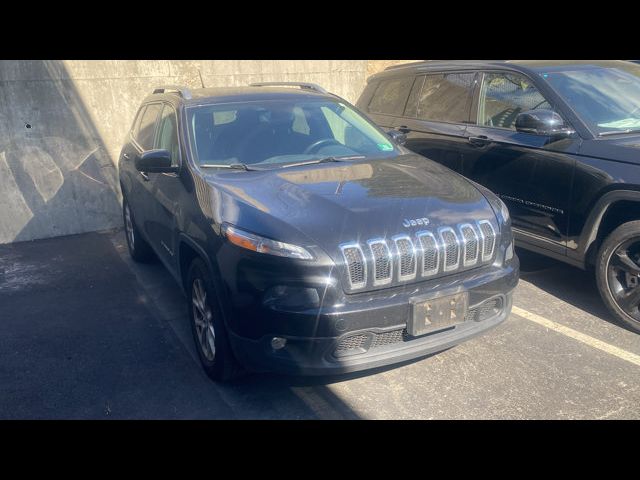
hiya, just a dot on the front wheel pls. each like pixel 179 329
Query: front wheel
pixel 207 325
pixel 618 273
pixel 139 249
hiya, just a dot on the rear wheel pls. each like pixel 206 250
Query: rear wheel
pixel 207 325
pixel 139 249
pixel 618 273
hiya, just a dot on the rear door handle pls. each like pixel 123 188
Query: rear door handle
pixel 479 141
pixel 403 129
pixel 126 155
pixel 144 176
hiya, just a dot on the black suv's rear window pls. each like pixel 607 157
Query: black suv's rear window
pixel 443 97
pixel 391 96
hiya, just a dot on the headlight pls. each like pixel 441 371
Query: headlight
pixel 260 244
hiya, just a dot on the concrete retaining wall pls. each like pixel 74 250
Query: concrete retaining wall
pixel 62 124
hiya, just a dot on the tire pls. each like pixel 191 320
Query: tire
pixel 139 249
pixel 618 274
pixel 209 332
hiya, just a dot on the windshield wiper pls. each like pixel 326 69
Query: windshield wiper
pixel 235 166
pixel 619 132
pixel 322 160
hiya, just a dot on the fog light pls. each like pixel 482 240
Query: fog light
pixel 278 343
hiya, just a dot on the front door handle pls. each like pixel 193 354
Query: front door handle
pixel 144 176
pixel 403 129
pixel 479 141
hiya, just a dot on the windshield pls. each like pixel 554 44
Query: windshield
pixel 282 132
pixel 606 98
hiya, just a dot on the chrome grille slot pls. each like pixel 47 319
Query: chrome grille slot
pixel 382 262
pixel 406 255
pixel 356 266
pixel 430 253
pixel 488 239
pixel 471 245
pixel 451 249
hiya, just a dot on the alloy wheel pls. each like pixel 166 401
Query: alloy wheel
pixel 623 277
pixel 203 318
pixel 128 225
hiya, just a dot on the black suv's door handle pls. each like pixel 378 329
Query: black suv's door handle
pixel 479 141
pixel 403 129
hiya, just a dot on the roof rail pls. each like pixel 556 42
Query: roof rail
pixel 184 92
pixel 408 64
pixel 303 85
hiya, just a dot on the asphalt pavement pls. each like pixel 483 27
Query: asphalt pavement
pixel 85 333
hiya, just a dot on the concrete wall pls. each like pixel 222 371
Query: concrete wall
pixel 62 124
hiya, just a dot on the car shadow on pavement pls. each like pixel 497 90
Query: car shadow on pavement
pixel 81 337
pixel 565 282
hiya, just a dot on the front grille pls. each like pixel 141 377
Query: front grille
pixel 382 264
pixel 488 239
pixel 430 254
pixel 406 258
pixel 350 343
pixel 363 342
pixel 355 262
pixel 451 249
pixel 471 245
pixel 379 262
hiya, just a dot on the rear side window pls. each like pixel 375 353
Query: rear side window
pixel 444 97
pixel 390 96
pixel 146 130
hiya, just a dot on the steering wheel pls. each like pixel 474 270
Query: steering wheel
pixel 319 143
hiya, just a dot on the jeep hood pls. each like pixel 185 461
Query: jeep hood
pixel 328 204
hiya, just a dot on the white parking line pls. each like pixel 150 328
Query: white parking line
pixel 581 337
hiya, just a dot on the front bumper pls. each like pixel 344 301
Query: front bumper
pixel 368 331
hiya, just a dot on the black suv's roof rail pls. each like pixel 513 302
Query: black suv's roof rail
pixel 304 85
pixel 184 92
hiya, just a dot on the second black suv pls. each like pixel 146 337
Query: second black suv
pixel 306 240
pixel 558 141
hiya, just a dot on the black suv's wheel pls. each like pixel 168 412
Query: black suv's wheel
pixel 207 325
pixel 139 249
pixel 618 273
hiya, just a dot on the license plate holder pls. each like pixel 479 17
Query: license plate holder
pixel 436 313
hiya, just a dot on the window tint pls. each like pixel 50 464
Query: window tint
pixel 390 96
pixel 414 96
pixel 146 130
pixel 503 96
pixel 343 130
pixel 445 97
pixel 135 128
pixel 167 138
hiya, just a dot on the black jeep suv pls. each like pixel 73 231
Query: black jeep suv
pixel 558 141
pixel 306 240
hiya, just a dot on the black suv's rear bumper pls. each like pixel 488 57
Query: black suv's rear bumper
pixel 380 342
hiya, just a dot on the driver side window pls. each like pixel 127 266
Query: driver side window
pixel 503 96
pixel 167 137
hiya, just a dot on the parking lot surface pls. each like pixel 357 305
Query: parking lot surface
pixel 87 333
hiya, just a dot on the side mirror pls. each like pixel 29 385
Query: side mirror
pixel 155 161
pixel 398 137
pixel 542 122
